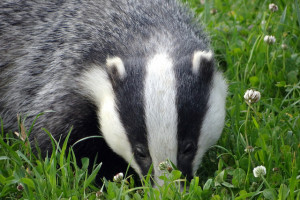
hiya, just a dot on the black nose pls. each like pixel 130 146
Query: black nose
pixel 186 170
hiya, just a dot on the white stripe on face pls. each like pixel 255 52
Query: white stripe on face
pixel 160 111
pixel 99 88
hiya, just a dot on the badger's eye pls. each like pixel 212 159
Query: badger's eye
pixel 139 152
pixel 189 148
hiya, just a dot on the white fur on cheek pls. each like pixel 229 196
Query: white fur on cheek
pixel 100 89
pixel 160 111
pixel 213 123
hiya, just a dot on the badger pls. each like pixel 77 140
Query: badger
pixel 139 73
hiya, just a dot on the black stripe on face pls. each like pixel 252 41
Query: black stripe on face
pixel 130 98
pixel 192 97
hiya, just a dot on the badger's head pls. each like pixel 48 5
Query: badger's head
pixel 159 108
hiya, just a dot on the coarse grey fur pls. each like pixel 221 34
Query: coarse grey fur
pixel 45 46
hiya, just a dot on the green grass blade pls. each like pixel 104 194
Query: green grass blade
pixel 91 177
pixel 297 11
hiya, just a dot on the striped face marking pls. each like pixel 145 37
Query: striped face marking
pixel 159 108
pixel 213 123
pixel 100 88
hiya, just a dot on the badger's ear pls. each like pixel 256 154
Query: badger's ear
pixel 115 68
pixel 202 63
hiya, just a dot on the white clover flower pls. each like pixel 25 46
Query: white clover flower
pixel 284 46
pixel 263 22
pixel 252 96
pixel 275 169
pixel 269 39
pixel 249 149
pixel 118 177
pixel 20 187
pixel 273 7
pixel 213 11
pixel 163 165
pixel 99 194
pixel 259 171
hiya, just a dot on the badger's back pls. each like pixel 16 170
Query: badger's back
pixel 147 58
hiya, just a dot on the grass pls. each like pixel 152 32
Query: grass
pixel 269 129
